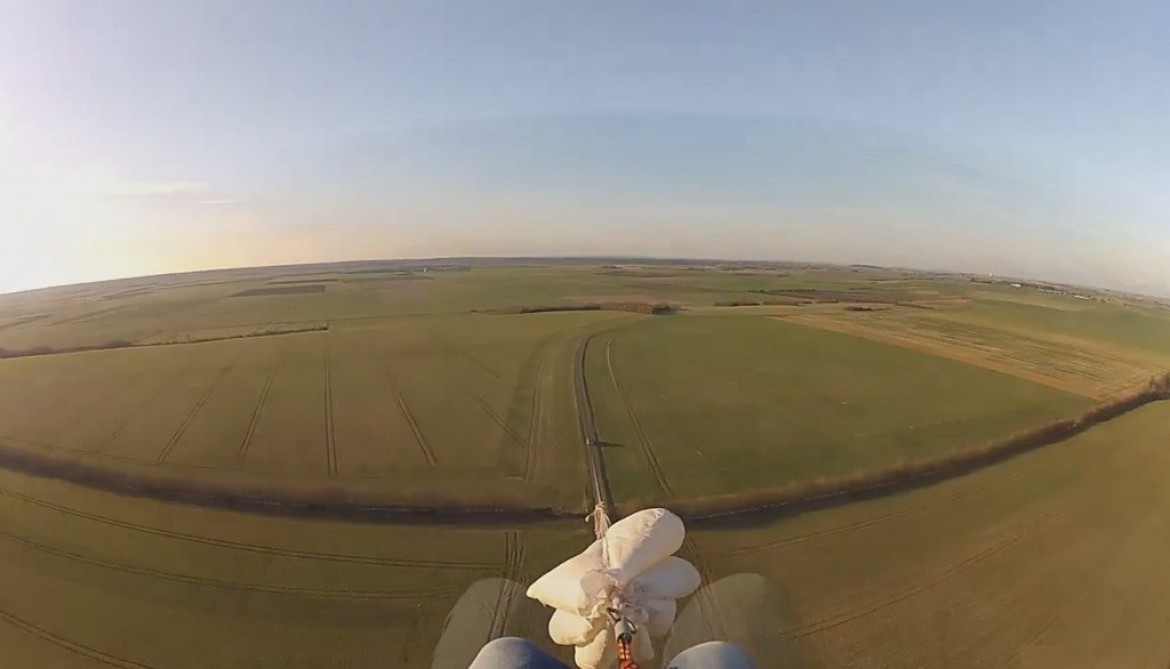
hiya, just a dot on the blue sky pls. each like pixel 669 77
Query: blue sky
pixel 1026 138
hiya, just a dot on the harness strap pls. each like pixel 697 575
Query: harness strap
pixel 626 654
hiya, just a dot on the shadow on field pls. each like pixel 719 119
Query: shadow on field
pixel 749 611
pixel 744 609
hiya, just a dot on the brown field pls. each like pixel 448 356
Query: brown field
pixel 1090 368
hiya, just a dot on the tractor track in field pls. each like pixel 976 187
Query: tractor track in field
pixel 247 547
pixel 481 364
pixel 139 406
pixel 246 443
pixel 643 439
pixel 170 445
pixel 495 417
pixel 708 604
pixel 219 583
pixel 535 416
pixel 419 439
pixel 457 352
pixel 330 440
pixel 513 563
pixel 938 577
pixel 70 645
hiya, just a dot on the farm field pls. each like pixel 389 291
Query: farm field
pixel 474 401
pixel 419 383
pixel 1044 560
pixel 719 404
pixel 423 385
pixel 1094 351
pixel 1052 559
pixel 90 579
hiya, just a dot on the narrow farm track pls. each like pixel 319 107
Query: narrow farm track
pixel 643 439
pixel 246 442
pixel 419 439
pixel 218 583
pixel 587 423
pixel 170 445
pixel 247 547
pixel 70 645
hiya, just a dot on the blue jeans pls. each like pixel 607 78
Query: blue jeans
pixel 513 653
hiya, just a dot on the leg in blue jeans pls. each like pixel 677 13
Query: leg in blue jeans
pixel 712 655
pixel 511 653
pixel 737 622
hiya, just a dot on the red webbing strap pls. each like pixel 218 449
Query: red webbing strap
pixel 626 655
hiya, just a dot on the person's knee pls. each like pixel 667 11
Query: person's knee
pixel 513 653
pixel 712 655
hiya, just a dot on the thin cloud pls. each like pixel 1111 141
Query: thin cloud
pixel 135 188
pixel 222 201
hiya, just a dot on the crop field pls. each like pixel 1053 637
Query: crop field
pixel 481 402
pixel 89 579
pixel 681 405
pixel 445 394
pixel 430 386
pixel 1044 560
pixel 1052 559
pixel 1091 351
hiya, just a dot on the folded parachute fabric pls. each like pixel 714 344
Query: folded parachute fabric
pixel 632 569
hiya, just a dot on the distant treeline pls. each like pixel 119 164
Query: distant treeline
pixel 759 303
pixel 828 295
pixel 905 475
pixel 228 490
pixel 48 350
pixel 123 343
pixel 657 308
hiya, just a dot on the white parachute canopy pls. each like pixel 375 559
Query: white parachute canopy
pixel 632 568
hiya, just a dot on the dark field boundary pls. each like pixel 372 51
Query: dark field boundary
pixel 759 506
pixel 325 500
pixel 652 308
pixel 120 343
pixel 763 505
pixel 231 490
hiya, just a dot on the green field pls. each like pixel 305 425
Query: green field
pixel 419 385
pixel 1045 558
pixel 723 404
pixel 1053 559
pixel 469 407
